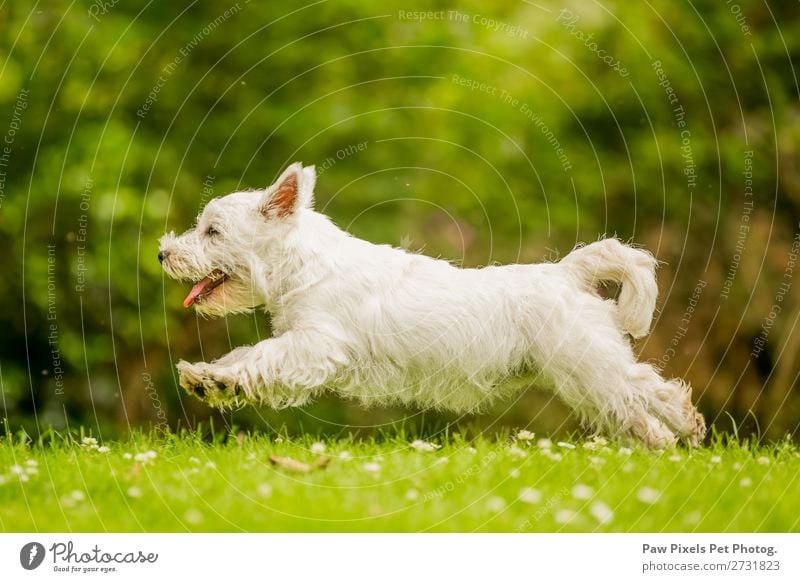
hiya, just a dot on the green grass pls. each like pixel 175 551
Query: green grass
pixel 504 484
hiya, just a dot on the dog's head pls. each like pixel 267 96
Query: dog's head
pixel 232 254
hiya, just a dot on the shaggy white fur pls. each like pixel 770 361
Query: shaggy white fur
pixel 383 325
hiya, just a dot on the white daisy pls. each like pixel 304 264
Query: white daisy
pixel 372 467
pixel 648 495
pixel 565 516
pixel 693 517
pixel 530 495
pixel 495 504
pixel 423 446
pixel 193 516
pixel 582 492
pixel 596 443
pixel 601 512
pixel 525 435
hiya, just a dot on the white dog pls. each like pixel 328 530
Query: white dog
pixel 383 325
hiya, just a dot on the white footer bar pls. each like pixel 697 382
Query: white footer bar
pixel 389 557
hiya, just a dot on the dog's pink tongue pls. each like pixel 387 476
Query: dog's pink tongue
pixel 196 290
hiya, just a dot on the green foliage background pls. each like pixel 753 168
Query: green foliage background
pixel 460 172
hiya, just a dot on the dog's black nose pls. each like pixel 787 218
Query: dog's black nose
pixel 161 256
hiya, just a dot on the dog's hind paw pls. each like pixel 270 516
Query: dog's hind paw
pixel 216 386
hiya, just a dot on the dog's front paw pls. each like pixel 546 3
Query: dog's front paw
pixel 190 377
pixel 216 386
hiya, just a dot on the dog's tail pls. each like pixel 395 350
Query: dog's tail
pixel 634 269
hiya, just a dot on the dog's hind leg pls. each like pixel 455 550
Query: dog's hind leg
pixel 593 369
pixel 670 400
pixel 618 412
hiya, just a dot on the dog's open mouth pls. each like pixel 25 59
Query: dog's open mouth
pixel 205 287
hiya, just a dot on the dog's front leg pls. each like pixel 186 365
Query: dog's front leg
pixel 282 371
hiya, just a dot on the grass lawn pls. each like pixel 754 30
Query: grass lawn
pixel 183 483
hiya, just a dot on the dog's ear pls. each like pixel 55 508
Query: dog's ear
pixel 292 191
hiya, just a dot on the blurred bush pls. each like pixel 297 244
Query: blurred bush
pixel 490 133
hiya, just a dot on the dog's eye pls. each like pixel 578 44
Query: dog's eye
pixel 211 231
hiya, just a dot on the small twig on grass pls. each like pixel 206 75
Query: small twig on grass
pixel 295 466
